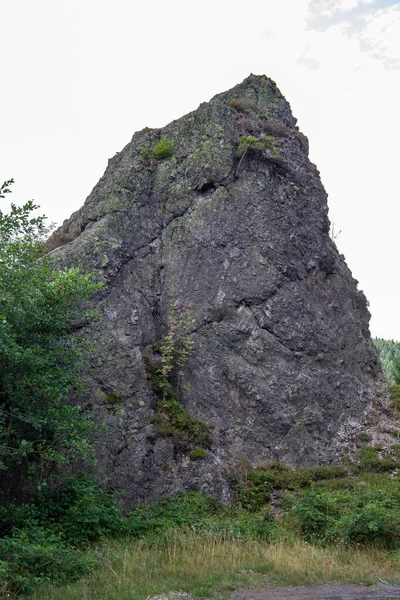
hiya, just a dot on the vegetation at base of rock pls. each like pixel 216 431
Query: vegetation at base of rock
pixel 254 487
pixel 256 145
pixel 389 353
pixel 333 508
pixel 34 556
pixel 40 356
pixel 44 540
pixel 163 149
pixel 198 454
pixel 202 566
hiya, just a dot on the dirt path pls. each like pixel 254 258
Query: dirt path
pixel 331 591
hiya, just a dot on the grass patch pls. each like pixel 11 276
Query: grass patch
pixel 294 527
pixel 204 565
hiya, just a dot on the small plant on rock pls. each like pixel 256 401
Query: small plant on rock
pixel 256 145
pixel 164 369
pixel 163 149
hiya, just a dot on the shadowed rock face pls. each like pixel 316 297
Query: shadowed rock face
pixel 283 365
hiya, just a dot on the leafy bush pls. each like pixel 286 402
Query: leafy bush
pixel 41 538
pixel 80 510
pixel 176 511
pixel 36 555
pixel 40 357
pixel 365 516
pixel 253 487
pixel 145 154
pixel 202 514
pixel 370 460
pixel 163 149
pixel 256 145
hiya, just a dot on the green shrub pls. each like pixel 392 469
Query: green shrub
pixel 177 511
pixel 371 461
pixel 198 454
pixel 201 513
pixel 173 420
pixel 81 510
pixel 256 145
pixel 145 154
pixel 367 515
pixel 254 487
pixel 36 555
pixel 163 149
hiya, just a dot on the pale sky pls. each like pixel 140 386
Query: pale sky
pixel 79 77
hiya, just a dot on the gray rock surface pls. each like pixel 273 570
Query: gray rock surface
pixel 283 365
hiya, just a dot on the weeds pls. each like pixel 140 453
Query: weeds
pixel 203 565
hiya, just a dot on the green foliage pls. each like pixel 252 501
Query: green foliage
pixel 256 145
pixel 200 513
pixel 145 154
pixel 40 539
pixel 367 515
pixel 78 511
pixel 176 511
pixel 40 357
pixel 371 461
pixel 253 487
pixel 164 370
pixel 36 555
pixel 395 393
pixel 163 149
pixel 173 420
pixel 198 454
pixel 389 356
pixel 396 370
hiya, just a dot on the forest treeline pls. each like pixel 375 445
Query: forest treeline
pixel 389 356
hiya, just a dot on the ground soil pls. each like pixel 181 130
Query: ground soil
pixel 331 591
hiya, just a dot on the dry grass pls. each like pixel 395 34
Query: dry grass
pixel 203 565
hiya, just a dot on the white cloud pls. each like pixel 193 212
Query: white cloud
pixel 349 5
pixel 381 35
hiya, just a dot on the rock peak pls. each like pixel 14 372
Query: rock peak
pixel 221 211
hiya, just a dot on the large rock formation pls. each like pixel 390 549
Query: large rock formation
pixel 230 217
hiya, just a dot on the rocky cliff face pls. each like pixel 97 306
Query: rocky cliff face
pixel 229 216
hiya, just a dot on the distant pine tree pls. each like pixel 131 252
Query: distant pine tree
pixel 389 356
